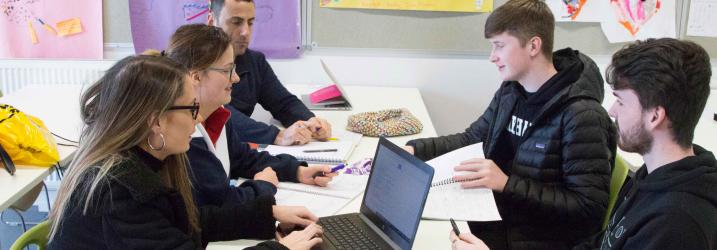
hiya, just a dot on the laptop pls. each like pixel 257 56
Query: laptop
pixel 339 103
pixel 392 204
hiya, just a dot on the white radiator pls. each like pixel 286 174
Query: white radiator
pixel 15 74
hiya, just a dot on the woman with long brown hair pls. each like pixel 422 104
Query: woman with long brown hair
pixel 128 186
pixel 217 154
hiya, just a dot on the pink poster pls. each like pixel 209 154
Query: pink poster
pixel 51 29
pixel 277 29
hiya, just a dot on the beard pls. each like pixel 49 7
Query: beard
pixel 636 139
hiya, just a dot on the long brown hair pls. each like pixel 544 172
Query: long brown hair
pixel 196 46
pixel 115 111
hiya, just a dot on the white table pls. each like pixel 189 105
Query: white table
pixel 705 132
pixel 57 106
pixel 431 234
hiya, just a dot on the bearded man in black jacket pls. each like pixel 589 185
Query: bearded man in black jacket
pixel 548 142
pixel 661 88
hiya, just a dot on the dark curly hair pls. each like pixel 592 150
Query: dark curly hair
pixel 669 73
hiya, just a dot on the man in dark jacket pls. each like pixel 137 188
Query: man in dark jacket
pixel 260 85
pixel 549 144
pixel 661 88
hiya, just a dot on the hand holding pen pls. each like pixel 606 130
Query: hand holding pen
pixel 319 175
pixel 465 240
pixel 333 170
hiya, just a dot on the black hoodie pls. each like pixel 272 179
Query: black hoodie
pixel 674 207
pixel 528 105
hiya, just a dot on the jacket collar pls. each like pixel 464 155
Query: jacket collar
pixel 139 174
pixel 588 86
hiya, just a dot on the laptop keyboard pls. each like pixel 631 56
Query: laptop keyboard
pixel 346 234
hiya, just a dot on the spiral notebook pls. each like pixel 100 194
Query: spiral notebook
pixel 445 163
pixel 344 144
pixel 447 199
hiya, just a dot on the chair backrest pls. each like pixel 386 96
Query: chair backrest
pixel 619 173
pixel 37 235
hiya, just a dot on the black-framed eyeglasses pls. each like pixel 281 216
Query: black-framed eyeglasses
pixel 228 72
pixel 194 109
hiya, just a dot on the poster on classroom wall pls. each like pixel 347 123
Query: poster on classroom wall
pixel 425 5
pixel 621 20
pixel 632 20
pixel 579 10
pixel 67 29
pixel 276 30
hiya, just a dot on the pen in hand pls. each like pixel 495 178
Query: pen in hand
pixel 333 170
pixel 455 227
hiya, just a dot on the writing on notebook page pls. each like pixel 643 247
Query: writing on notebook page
pixel 448 199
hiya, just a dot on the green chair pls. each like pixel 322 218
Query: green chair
pixel 619 173
pixel 37 235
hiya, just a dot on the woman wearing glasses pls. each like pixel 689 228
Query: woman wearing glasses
pixel 216 153
pixel 128 185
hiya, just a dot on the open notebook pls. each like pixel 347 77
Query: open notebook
pixel 322 201
pixel 448 200
pixel 344 144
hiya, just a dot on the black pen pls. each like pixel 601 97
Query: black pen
pixel 320 150
pixel 455 227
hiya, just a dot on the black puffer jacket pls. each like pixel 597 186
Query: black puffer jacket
pixel 558 184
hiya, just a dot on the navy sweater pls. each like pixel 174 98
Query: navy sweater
pixel 260 85
pixel 211 183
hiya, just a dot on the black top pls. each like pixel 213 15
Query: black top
pixel 132 208
pixel 674 207
pixel 259 85
pixel 528 105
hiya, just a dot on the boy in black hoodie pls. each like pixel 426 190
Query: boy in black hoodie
pixel 662 87
pixel 548 142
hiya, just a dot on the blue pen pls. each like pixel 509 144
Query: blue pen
pixel 333 170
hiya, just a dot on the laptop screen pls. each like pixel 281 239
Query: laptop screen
pixel 396 193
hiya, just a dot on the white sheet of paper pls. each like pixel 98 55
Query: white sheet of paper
pixel 320 205
pixel 342 186
pixel 702 20
pixel 453 201
pixel 592 11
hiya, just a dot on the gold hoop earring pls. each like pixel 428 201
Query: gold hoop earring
pixel 157 148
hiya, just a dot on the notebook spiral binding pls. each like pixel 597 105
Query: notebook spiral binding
pixel 320 159
pixel 447 181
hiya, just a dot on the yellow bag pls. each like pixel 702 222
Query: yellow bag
pixel 26 139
